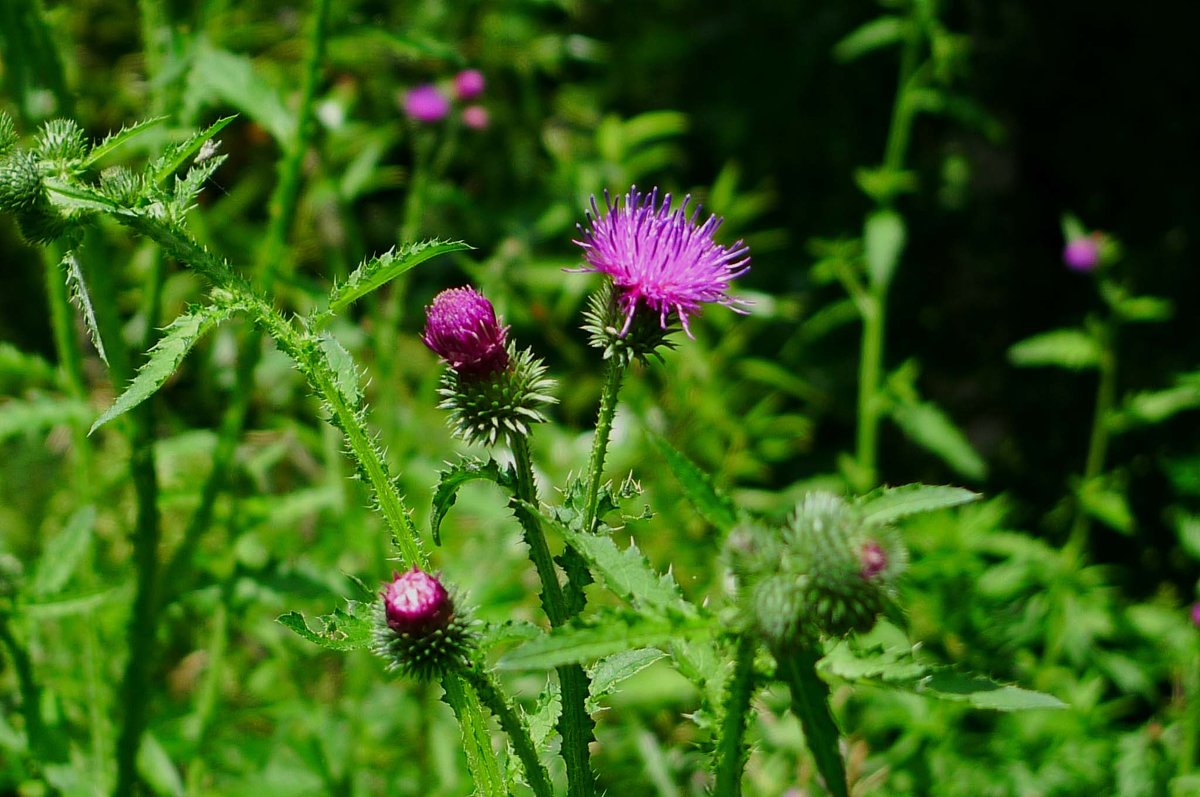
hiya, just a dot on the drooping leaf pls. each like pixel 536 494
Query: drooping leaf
pixel 232 79
pixel 625 572
pixel 449 481
pixel 342 630
pixel 167 354
pixel 1072 349
pixel 31 416
pixel 176 155
pixel 78 293
pixel 984 693
pixel 888 504
pixel 606 674
pixel 118 139
pixel 611 634
pixel 378 271
pixel 883 241
pixel 928 426
pixel 63 554
pixel 714 507
pixel 872 35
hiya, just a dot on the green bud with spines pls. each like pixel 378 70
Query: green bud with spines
pixel 420 628
pixel 8 134
pixel 620 336
pixel 63 141
pixel 486 407
pixel 123 185
pixel 41 225
pixel 21 187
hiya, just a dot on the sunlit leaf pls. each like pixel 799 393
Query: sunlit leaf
pixel 1062 348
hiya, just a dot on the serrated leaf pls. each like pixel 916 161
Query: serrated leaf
pixel 175 155
pixel 63 554
pixel 888 504
pixel 378 271
pixel 928 426
pixel 613 633
pixel 476 737
pixel 883 241
pixel 505 633
pixel 21 416
pixel 120 138
pixel 221 75
pixel 714 507
pixel 625 572
pixel 188 187
pixel 449 481
pixel 165 357
pixel 984 693
pixel 607 673
pixel 870 36
pixel 346 374
pixel 1072 349
pixel 78 293
pixel 342 630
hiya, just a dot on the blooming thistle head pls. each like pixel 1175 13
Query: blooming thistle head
pixel 661 259
pixel 461 328
pixel 491 389
pixel 426 104
pixel 418 628
pixel 468 84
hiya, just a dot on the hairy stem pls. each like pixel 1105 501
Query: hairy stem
pixel 514 725
pixel 575 724
pixel 614 372
pixel 731 749
pixel 810 704
pixel 1106 393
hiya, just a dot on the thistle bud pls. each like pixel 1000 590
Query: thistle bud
pixel 61 140
pixel 490 389
pixel 21 182
pixel 419 629
pixel 468 84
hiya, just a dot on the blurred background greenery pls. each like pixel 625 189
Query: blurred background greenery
pixel 762 111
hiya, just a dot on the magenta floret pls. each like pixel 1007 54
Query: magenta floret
pixel 415 602
pixel 461 328
pixel 426 104
pixel 468 84
pixel 661 258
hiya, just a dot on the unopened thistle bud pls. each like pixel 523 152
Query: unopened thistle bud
pixel 491 389
pixel 419 629
pixel 21 185
pixel 61 140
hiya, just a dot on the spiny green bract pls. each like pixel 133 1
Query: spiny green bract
pixel 486 407
pixel 826 572
pixel 429 655
pixel 21 185
pixel 8 134
pixel 604 321
pixel 61 140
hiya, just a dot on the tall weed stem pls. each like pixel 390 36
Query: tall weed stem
pixel 1106 393
pixel 731 748
pixel 614 372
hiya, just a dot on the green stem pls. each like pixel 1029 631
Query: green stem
pixel 810 703
pixel 512 724
pixel 70 361
pixel 31 701
pixel 270 261
pixel 1106 393
pixel 614 372
pixel 731 749
pixel 575 725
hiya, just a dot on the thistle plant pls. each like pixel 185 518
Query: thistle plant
pixel 806 585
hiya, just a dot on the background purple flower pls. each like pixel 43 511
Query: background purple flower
pixel 468 84
pixel 661 258
pixel 461 328
pixel 426 104
pixel 475 117
pixel 1082 254
pixel 1196 614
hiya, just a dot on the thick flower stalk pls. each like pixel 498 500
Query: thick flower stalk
pixel 661 260
pixel 492 390
pixel 419 629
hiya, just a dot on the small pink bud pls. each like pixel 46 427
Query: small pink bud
pixel 468 84
pixel 461 328
pixel 1083 254
pixel 874 560
pixel 416 602
pixel 426 104
pixel 475 117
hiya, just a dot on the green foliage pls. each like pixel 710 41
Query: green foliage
pixel 1061 348
pixel 379 271
pixel 697 486
pixel 344 629
pixel 889 504
pixel 449 481
pixel 883 241
pixel 604 635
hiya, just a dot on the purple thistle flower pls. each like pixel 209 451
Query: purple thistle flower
pixel 1196 614
pixel 1082 254
pixel 874 560
pixel 415 602
pixel 426 104
pixel 661 258
pixel 468 84
pixel 461 328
